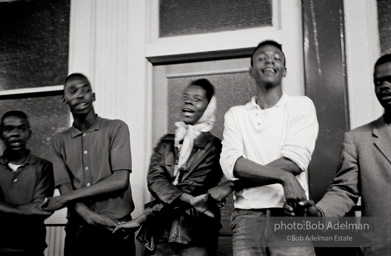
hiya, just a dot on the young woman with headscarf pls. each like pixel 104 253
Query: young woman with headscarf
pixel 184 219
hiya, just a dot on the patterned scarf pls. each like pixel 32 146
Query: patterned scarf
pixel 188 133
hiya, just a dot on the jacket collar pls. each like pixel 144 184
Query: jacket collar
pixel 382 137
pixel 31 159
pixel 94 127
pixel 200 141
pixel 199 155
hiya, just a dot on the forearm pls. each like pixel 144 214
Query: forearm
pixel 81 209
pixel 31 211
pixel 119 180
pixel 186 198
pixel 5 208
pixel 251 173
pixel 161 188
pixel 142 218
pixel 285 164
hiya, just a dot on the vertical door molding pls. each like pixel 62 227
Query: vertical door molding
pixel 362 50
pixel 325 84
pixel 292 44
pixel 82 37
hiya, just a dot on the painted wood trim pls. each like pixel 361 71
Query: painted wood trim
pixel 54 88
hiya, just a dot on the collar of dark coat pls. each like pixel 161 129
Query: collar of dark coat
pixel 382 137
pixel 202 147
pixel 201 140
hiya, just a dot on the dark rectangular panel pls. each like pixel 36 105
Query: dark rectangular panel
pixel 34 43
pixel 184 17
pixel 384 18
pixel 48 115
pixel 325 83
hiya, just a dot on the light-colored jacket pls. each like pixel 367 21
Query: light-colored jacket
pixel 364 170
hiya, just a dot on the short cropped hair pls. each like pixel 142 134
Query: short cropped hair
pixel 73 75
pixel 206 85
pixel 267 42
pixel 17 113
pixel 383 59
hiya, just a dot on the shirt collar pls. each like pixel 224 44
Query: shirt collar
pixel 30 159
pixel 94 127
pixel 252 104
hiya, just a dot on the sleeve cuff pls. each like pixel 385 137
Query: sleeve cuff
pixel 228 168
pixel 297 159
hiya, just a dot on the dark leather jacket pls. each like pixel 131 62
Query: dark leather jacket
pixel 202 172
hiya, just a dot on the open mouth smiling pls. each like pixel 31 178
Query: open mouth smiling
pixel 187 110
pixel 385 96
pixel 81 105
pixel 15 142
pixel 269 70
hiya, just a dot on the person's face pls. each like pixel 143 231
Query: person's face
pixel 382 80
pixel 15 133
pixel 78 95
pixel 268 65
pixel 194 103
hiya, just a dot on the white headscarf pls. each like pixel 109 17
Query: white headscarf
pixel 188 133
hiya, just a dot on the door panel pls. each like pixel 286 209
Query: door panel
pixel 230 78
pixel 233 86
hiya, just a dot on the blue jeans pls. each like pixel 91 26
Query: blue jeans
pixel 245 245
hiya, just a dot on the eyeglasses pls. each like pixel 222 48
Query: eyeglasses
pixel 381 80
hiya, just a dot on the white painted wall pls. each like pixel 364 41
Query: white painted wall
pixel 362 51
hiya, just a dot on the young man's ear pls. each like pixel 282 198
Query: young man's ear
pixel 250 72
pixel 93 96
pixel 284 73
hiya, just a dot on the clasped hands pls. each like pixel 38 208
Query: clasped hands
pixel 217 194
pixel 55 203
pixel 35 208
pixel 305 208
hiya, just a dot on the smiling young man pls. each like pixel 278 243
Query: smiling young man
pixel 92 163
pixel 25 182
pixel 267 147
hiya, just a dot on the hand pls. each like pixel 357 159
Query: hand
pixel 131 226
pixel 35 208
pixel 301 208
pixel 56 203
pixel 200 203
pixel 220 192
pixel 293 191
pixel 96 219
